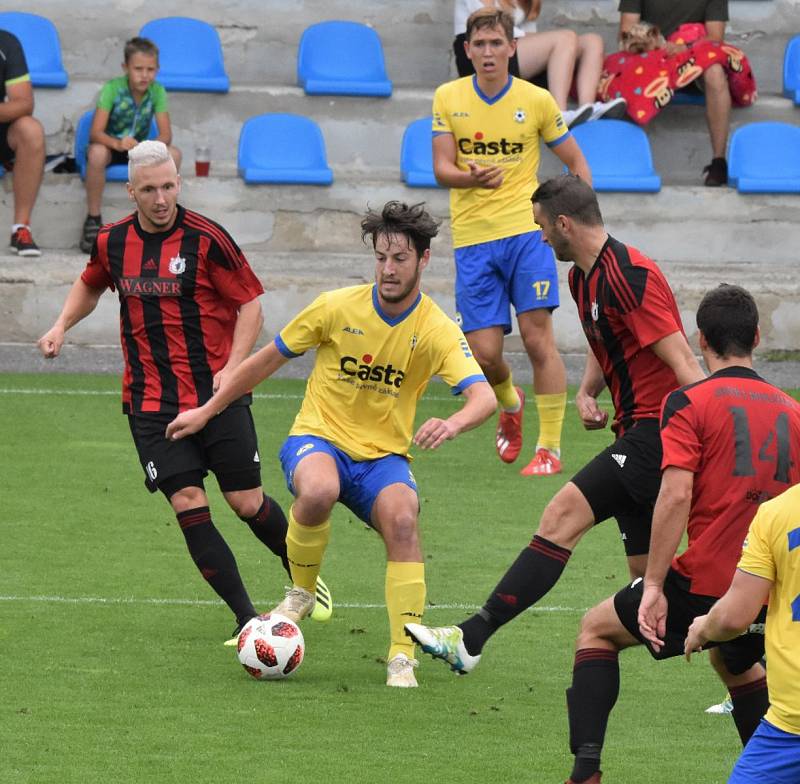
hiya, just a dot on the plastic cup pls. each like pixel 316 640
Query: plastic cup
pixel 202 161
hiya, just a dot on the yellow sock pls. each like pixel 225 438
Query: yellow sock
pixel 405 601
pixel 305 546
pixel 506 395
pixel 551 419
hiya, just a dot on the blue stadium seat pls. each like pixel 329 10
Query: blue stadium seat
pixel 283 148
pixel 764 157
pixel 342 58
pixel 619 156
pixel 190 54
pixel 416 155
pixel 42 47
pixel 791 70
pixel 117 172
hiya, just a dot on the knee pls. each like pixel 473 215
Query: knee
pixel 591 629
pixel 98 155
pixel 561 524
pixel 489 361
pixel 188 498
pixel 29 134
pixel 567 41
pixel 715 78
pixel 316 499
pixel 246 504
pixel 402 529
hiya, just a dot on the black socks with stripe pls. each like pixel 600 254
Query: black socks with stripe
pixel 214 559
pixel 537 569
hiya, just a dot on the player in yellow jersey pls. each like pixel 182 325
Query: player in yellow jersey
pixel 377 348
pixel 769 567
pixel 486 134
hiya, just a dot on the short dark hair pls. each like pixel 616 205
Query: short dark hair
pixel 728 318
pixel 569 195
pixel 140 45
pixel 396 217
pixel 487 18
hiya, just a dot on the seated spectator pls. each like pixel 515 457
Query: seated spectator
pixel 21 140
pixel 561 55
pixel 668 16
pixel 122 119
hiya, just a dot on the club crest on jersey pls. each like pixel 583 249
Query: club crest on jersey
pixel 177 265
pixel 520 116
pixel 413 342
pixel 595 311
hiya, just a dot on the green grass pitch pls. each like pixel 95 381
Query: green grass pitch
pixel 113 668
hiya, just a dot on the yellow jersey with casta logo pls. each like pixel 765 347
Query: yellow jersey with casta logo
pixel 371 368
pixel 501 131
pixel 772 551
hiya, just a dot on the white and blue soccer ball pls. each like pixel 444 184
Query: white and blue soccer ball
pixel 271 647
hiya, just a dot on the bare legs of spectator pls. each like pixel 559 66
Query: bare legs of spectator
pixel 26 139
pixel 718 116
pixel 554 51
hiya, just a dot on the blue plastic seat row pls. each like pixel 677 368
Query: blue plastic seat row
pixel 334 58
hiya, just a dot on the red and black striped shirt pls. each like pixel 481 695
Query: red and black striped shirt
pixel 625 305
pixel 180 292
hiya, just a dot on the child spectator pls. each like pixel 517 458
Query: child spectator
pixel 122 119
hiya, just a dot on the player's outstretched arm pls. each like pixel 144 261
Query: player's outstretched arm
pixel 80 302
pixel 572 157
pixel 670 516
pixel 245 377
pixel 732 614
pixel 674 351
pixel 480 404
pixel 592 384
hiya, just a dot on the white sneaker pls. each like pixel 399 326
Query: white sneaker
pixel 611 110
pixel 400 672
pixel 726 706
pixel 573 117
pixel 446 643
pixel 297 603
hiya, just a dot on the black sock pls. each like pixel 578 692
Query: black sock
pixel 590 699
pixel 214 559
pixel 750 703
pixel 536 570
pixel 269 524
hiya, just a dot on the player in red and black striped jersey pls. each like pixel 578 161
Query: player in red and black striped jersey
pixel 638 350
pixel 730 442
pixel 189 315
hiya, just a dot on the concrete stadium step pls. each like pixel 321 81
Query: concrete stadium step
pixel 32 290
pixel 679 223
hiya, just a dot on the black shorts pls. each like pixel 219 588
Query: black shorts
pixel 623 482
pixel 118 157
pixel 739 654
pixel 6 153
pixel 227 445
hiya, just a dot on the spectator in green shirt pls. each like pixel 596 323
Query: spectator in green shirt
pixel 125 111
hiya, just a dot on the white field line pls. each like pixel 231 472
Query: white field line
pixel 116 393
pixel 130 600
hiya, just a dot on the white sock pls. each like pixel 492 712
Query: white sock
pixel 18 226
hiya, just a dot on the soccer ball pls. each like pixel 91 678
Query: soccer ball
pixel 270 647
